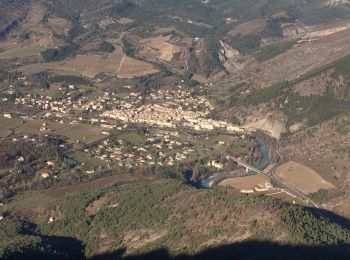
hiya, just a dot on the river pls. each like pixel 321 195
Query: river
pixel 216 178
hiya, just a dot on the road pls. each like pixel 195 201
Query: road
pixel 275 181
pixel 269 173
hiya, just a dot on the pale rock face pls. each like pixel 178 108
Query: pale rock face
pixel 336 2
pixel 227 52
pixel 273 124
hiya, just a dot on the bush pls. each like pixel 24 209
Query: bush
pixel 60 53
pixel 107 47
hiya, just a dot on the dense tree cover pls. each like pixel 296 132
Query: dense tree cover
pixel 312 230
pixel 323 195
pixel 12 13
pixel 20 240
pixel 315 108
pixel 211 58
pixel 107 47
pixel 138 207
pixel 245 43
pixel 60 53
pixel 128 48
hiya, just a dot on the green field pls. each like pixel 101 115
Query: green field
pixel 82 157
pixel 27 51
pixel 134 138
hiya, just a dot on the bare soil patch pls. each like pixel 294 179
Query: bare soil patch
pixel 132 68
pixel 160 46
pixel 95 206
pixel 125 20
pixel 248 183
pixel 302 178
pixel 250 27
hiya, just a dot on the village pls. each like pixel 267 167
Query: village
pixel 103 130
pixel 155 148
pixel 164 109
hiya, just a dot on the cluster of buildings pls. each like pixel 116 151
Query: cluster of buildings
pixel 167 116
pixel 164 109
pixel 170 109
pixel 160 148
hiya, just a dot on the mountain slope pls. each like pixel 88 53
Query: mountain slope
pixel 146 216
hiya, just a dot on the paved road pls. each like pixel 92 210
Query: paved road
pixel 269 173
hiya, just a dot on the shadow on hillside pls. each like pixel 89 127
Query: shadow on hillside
pixel 53 248
pixel 252 250
pixel 333 217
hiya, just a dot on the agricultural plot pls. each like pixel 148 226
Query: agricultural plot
pixel 59 25
pixel 302 178
pixel 91 65
pixel 7 125
pixel 82 157
pixel 250 27
pixel 133 138
pixel 248 183
pixel 131 68
pixel 22 52
pixel 29 127
pixel 160 46
pixel 82 133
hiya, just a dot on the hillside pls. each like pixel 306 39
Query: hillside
pixel 146 216
pixel 187 129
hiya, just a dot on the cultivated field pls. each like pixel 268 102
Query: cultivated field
pixel 132 68
pixel 250 27
pixel 81 133
pixel 22 52
pixel 248 183
pixel 7 125
pixel 302 177
pixel 91 65
pixel 160 46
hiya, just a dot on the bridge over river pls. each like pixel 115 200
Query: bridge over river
pixel 269 172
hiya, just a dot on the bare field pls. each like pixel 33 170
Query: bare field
pixel 125 20
pixel 82 133
pixel 59 25
pixel 91 65
pixel 132 68
pixel 314 86
pixel 248 183
pixel 250 27
pixel 7 125
pixel 161 47
pixel 200 79
pixel 29 127
pixel 79 132
pixel 302 177
pixel 22 52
